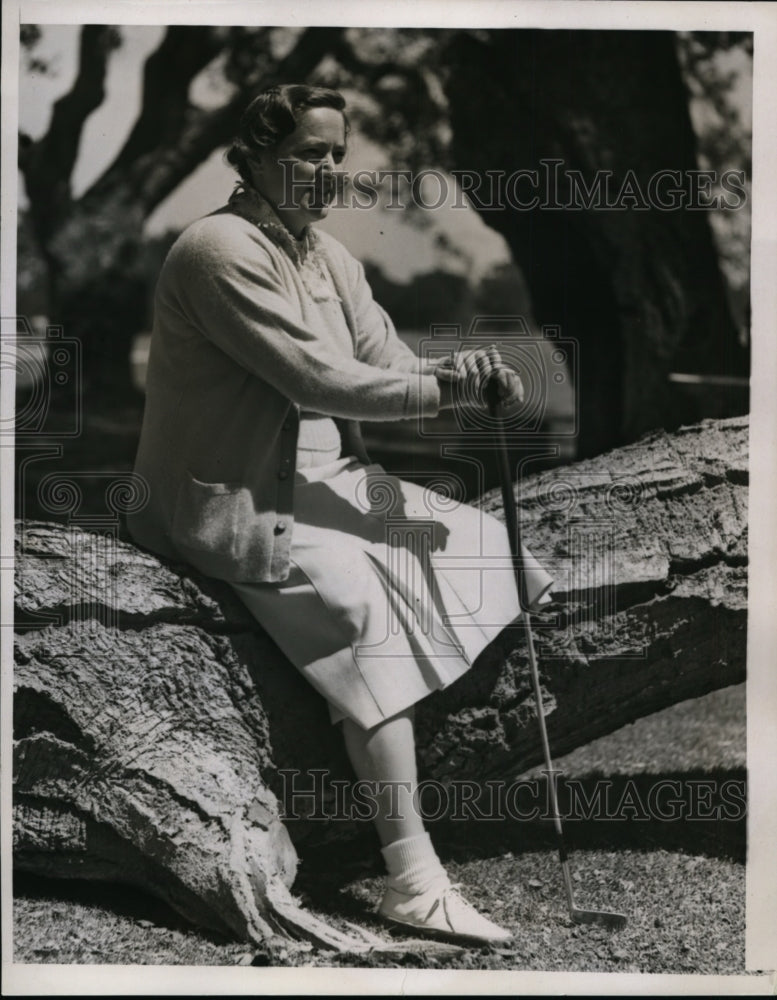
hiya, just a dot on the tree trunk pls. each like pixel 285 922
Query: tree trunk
pixel 154 720
pixel 638 287
pixel 100 295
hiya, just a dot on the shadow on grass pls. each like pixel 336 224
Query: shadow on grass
pixel 327 868
pixel 117 898
pixel 699 812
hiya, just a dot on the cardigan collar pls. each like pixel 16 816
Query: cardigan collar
pixel 251 205
pixel 307 253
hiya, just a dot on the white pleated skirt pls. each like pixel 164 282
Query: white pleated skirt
pixel 394 589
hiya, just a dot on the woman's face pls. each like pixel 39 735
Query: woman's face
pixel 297 176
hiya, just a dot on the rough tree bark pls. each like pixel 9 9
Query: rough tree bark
pixel 153 718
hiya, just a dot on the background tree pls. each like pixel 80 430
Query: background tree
pixel 91 245
pixel 640 290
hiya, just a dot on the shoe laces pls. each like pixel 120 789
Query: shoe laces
pixel 452 887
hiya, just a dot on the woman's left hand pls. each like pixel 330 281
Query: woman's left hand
pixel 473 370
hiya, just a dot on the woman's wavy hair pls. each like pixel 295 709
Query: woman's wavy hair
pixel 272 115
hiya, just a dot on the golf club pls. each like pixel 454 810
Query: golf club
pixel 577 914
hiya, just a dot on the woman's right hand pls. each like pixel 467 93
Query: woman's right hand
pixel 463 379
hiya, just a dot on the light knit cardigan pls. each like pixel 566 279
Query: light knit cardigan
pixel 235 354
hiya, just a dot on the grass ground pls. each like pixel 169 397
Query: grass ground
pixel 680 882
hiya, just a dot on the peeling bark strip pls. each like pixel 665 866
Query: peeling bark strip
pixel 152 716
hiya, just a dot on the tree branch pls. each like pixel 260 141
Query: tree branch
pixel 152 176
pixel 411 114
pixel 168 73
pixel 49 162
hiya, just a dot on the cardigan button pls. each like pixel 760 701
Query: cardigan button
pixel 280 527
pixel 287 425
pixel 283 474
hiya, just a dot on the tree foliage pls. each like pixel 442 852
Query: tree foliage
pixel 715 66
pixel 414 92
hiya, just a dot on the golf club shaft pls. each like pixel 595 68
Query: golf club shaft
pixel 511 512
pixel 516 549
pixel 535 677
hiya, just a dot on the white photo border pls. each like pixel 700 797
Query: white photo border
pixel 761 949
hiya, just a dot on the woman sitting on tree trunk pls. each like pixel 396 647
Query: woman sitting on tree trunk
pixel 267 348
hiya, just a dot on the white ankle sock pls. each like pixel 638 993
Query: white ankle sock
pixel 412 863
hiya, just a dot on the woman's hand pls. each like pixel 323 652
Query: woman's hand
pixel 463 379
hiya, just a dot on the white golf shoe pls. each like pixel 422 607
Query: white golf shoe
pixel 441 912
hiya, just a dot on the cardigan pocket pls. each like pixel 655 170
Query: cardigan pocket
pixel 207 520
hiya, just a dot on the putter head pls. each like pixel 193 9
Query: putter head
pixel 597 917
